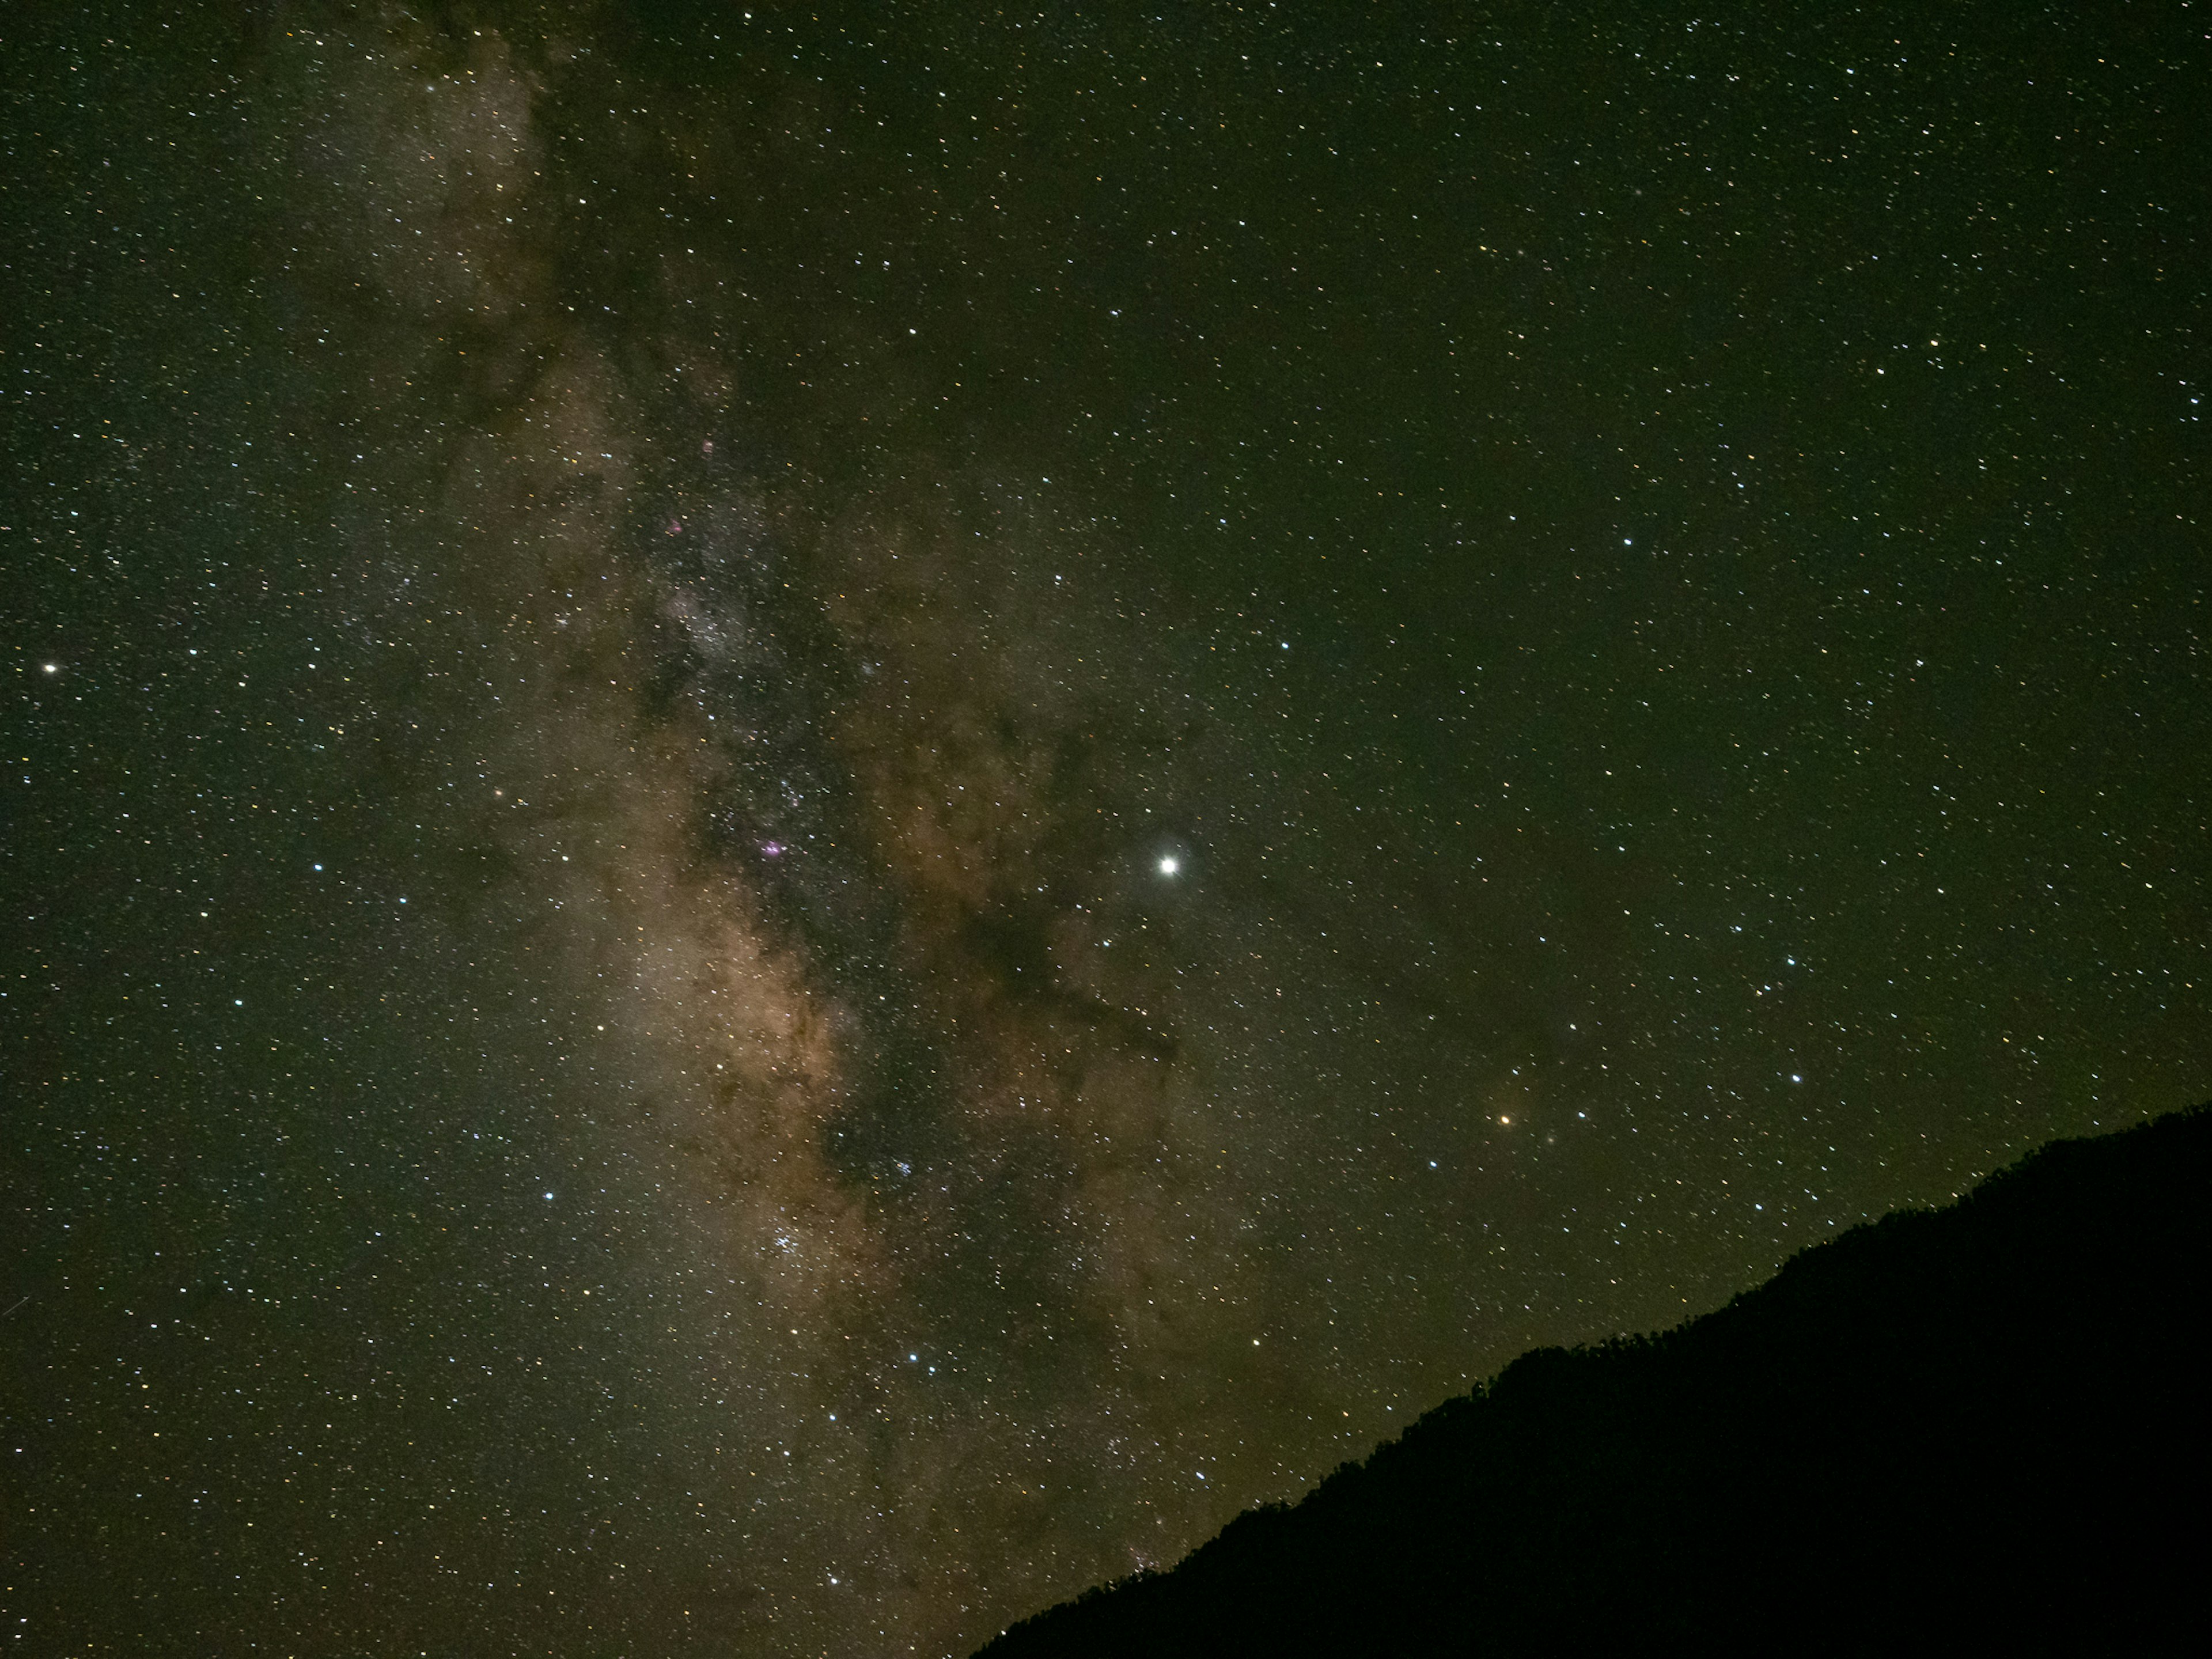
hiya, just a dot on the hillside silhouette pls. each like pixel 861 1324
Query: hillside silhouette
pixel 1982 1426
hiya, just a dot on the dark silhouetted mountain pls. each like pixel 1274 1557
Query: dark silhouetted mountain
pixel 1983 1426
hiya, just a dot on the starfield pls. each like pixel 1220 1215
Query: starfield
pixel 816 820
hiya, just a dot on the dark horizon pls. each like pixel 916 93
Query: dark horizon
pixel 1983 1423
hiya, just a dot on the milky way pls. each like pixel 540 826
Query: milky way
pixel 824 824
pixel 823 812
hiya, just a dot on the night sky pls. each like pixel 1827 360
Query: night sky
pixel 816 822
